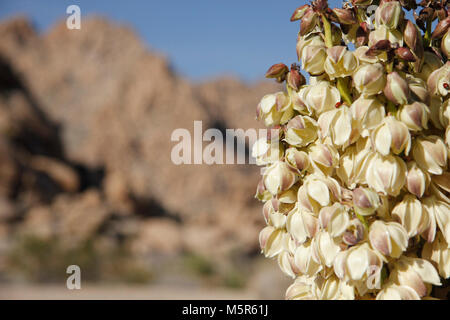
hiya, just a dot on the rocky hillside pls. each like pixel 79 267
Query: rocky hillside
pixel 86 118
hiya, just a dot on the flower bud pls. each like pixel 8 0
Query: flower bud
pixel 325 248
pixel 340 62
pixel 409 214
pixel 320 97
pixel 439 213
pixel 414 116
pixel 416 179
pixel 440 186
pixel 415 273
pixel 313 59
pixel 392 291
pixel 355 232
pixel 299 12
pixel 336 124
pixel 345 16
pixel 360 54
pixel 396 89
pixel 441 28
pixel 393 135
pixel 278 177
pixel 430 153
pixel 438 81
pixel 334 219
pixel 405 54
pixel 301 131
pixel 438 251
pixel 295 79
pixel 368 113
pixel 298 160
pixel 413 39
pixel 445 44
pixel 369 79
pixel 389 14
pixel 386 174
pixel 309 21
pixel 301 225
pixel 365 201
pixel 389 238
pixel 277 71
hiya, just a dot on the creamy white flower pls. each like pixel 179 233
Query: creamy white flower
pixel 393 135
pixel 431 62
pixel 322 189
pixel 360 265
pixel 368 113
pixel 414 116
pixel 275 109
pixel 392 291
pixel 438 81
pixel 410 214
pixel 438 213
pixel 301 225
pixel 301 131
pixel 430 153
pixel 383 33
pixel 386 174
pixel 301 289
pixel 389 238
pixel 336 124
pixel 325 248
pixel 370 79
pixel 334 219
pixel 439 252
pixel 313 59
pixel 320 97
pixel 340 62
pixel 353 165
pixel 266 152
pixel 414 273
pixel 365 201
pixel 298 160
pixel 278 177
pixel 324 157
pixel 305 261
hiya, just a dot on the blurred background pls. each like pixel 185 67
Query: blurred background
pixel 86 118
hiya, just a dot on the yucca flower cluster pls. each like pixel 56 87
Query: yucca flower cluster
pixel 355 181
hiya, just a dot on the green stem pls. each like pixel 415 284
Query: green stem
pixel 363 220
pixel 343 90
pixel 427 36
pixel 327 31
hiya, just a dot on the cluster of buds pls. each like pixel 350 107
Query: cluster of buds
pixel 356 181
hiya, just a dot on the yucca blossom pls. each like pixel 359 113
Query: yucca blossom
pixel 356 186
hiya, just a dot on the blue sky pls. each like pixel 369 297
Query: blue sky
pixel 202 38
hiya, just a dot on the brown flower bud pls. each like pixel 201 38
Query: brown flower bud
pixel 413 39
pixel 379 47
pixel 362 34
pixel 309 21
pixel 396 89
pixel 299 12
pixel 441 28
pixel 345 16
pixel 277 71
pixel 405 54
pixel 295 79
